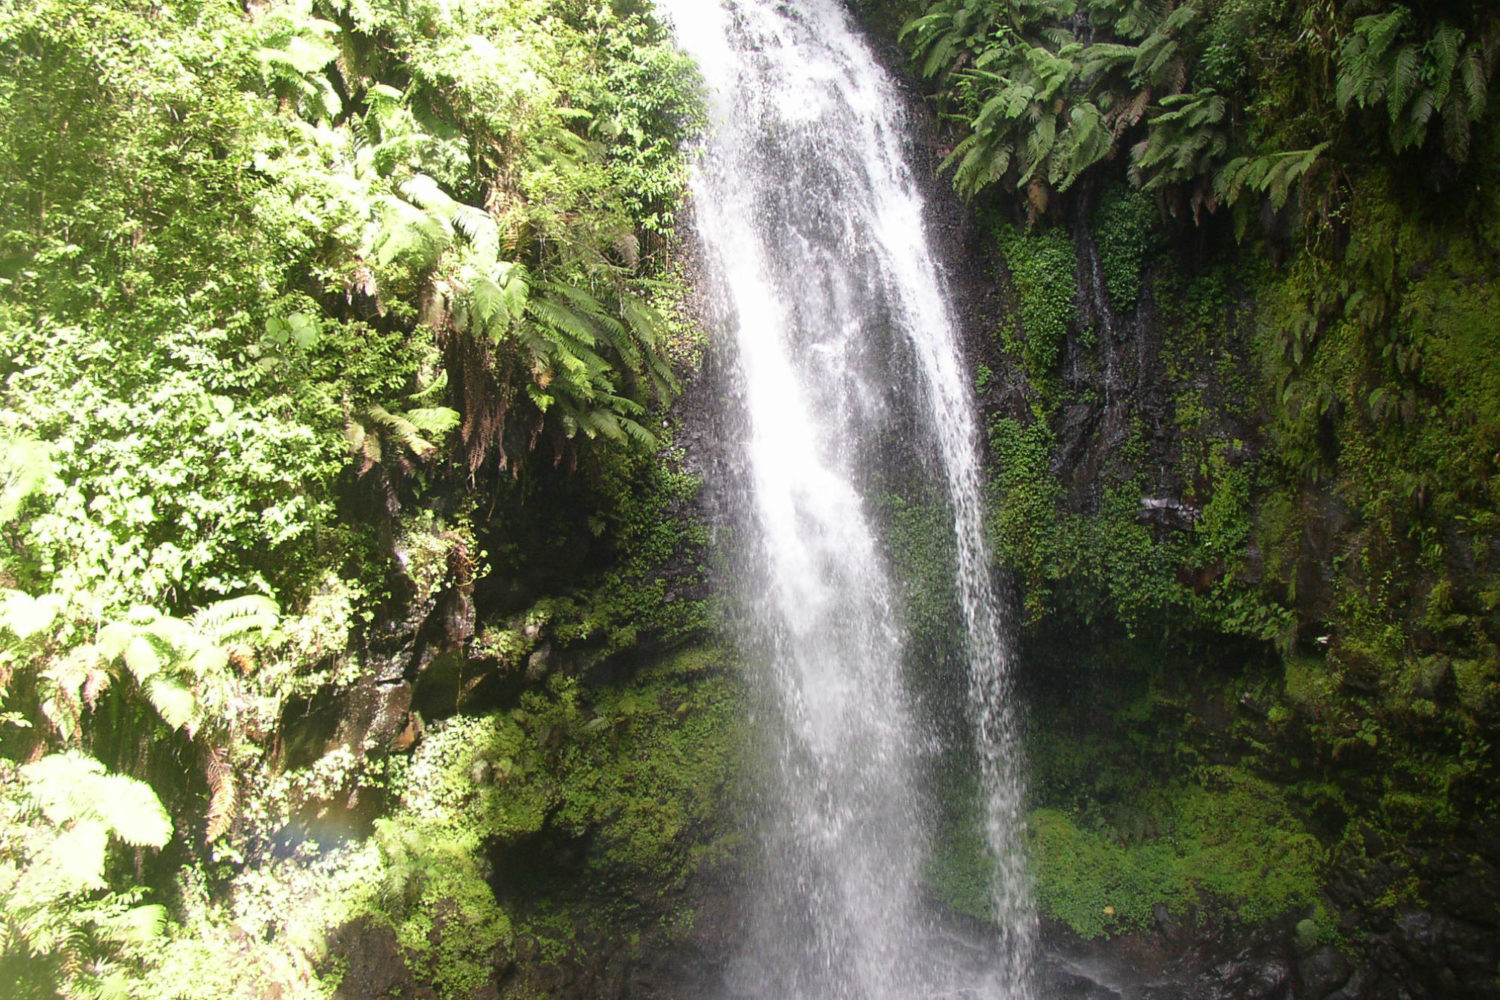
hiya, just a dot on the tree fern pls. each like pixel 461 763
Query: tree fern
pixel 950 33
pixel 294 50
pixel 58 919
pixel 1185 137
pixel 1442 76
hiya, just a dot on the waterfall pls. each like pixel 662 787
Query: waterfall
pixel 813 230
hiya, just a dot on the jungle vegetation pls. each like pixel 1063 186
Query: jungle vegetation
pixel 325 322
pixel 1244 251
pixel 288 292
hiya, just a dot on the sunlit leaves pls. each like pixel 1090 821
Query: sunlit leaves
pixel 25 616
pixel 298 328
pixel 25 466
pixel 294 49
pixel 58 818
pixel 73 790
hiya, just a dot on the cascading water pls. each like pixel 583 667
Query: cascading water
pixel 813 226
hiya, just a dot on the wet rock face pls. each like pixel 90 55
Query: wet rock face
pixel 1422 956
pixel 1324 971
pixel 373 963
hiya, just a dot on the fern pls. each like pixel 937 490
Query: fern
pixel 24 616
pixel 236 616
pixel 398 430
pixel 224 794
pixel 72 789
pixel 26 467
pixel 949 34
pixel 172 700
pixel 294 51
pixel 575 327
pixel 1186 136
pixel 1443 76
pixel 180 668
pixel 1272 174
pixel 138 925
pixel 436 421
pixel 407 233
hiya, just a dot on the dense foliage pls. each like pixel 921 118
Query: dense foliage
pixel 332 338
pixel 1240 388
pixel 278 285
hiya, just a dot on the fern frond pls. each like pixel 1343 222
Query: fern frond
pixel 1403 76
pixel 427 194
pixel 363 445
pixel 400 430
pixel 173 700
pixel 24 616
pixel 486 309
pixel 1105 56
pixel 71 788
pixel 126 641
pixel 1179 19
pixel 434 420
pixel 236 616
pixel 74 862
pixel 432 390
pixel 138 925
pixel 406 231
pixel 1380 30
pixel 638 434
pixel 559 318
pixel 26 466
pixel 1411 128
pixel 1471 69
pixel 224 801
pixel 595 422
pixel 1444 49
pixel 479 228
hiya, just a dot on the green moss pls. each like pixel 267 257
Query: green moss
pixel 958 867
pixel 958 873
pixel 1125 230
pixel 650 772
pixel 1478 681
pixel 1309 684
pixel 1043 271
pixel 435 891
pixel 1022 505
pixel 643 512
pixel 919 532
pixel 640 772
pixel 1231 840
pixel 643 768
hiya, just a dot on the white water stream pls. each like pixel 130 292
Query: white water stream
pixel 813 226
